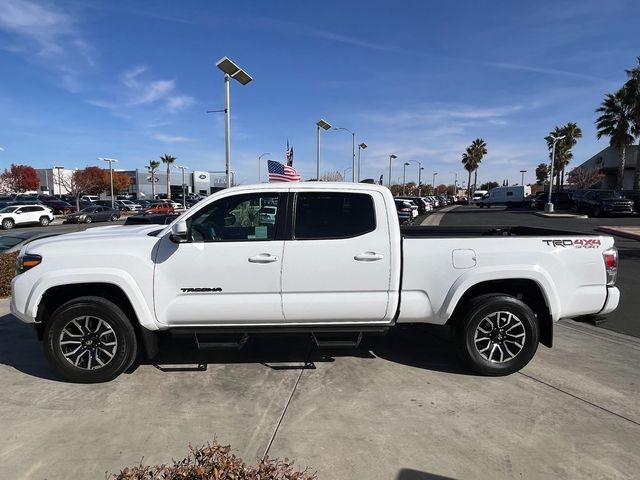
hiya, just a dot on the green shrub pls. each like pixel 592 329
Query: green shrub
pixel 7 272
pixel 215 461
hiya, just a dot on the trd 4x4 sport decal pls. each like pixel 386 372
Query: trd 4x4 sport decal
pixel 579 243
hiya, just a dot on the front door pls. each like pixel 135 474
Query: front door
pixel 228 272
pixel 337 267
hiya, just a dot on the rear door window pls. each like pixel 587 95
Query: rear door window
pixel 333 215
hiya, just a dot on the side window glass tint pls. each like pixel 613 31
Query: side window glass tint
pixel 333 215
pixel 249 217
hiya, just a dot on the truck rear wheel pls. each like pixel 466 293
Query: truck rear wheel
pixel 90 340
pixel 499 335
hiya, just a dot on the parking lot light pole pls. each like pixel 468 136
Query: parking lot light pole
pixel 259 171
pixel 361 147
pixel 420 169
pixel 522 172
pixel 404 178
pixel 184 200
pixel 111 162
pixel 391 157
pixel 231 70
pixel 353 151
pixel 344 173
pixel 549 205
pixel 433 183
pixel 321 124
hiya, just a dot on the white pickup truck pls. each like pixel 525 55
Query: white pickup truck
pixel 332 259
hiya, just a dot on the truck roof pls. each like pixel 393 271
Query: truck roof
pixel 312 186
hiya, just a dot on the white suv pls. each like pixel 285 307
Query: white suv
pixel 25 214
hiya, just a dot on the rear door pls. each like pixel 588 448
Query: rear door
pixel 337 266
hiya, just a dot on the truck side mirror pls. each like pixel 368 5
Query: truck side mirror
pixel 179 232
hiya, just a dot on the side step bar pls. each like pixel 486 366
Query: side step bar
pixel 340 340
pixel 219 342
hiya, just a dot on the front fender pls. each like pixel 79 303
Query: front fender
pixel 26 305
pixel 479 275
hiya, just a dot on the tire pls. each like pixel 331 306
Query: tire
pixel 82 316
pixel 597 212
pixel 509 205
pixel 8 224
pixel 88 220
pixel 481 205
pixel 114 217
pixel 502 353
pixel 44 221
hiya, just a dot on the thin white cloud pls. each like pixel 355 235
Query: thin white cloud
pixel 1 149
pixel 48 36
pixel 171 138
pixel 179 103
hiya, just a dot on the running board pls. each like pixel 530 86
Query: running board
pixel 336 340
pixel 220 342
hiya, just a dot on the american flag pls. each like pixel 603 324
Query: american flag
pixel 281 173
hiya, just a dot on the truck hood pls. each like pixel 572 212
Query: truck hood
pixel 94 238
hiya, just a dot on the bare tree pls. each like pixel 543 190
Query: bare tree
pixel 331 177
pixel 89 181
pixel 584 177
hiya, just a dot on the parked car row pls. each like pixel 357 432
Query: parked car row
pixel 409 208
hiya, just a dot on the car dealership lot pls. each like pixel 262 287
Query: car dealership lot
pixel 398 407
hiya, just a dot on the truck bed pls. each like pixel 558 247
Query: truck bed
pixel 427 231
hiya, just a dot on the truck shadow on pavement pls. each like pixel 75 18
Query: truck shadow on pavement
pixel 420 347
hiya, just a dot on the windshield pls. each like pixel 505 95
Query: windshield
pixel 605 194
pixel 8 209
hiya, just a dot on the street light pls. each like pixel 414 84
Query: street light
pixel 391 157
pixel 259 172
pixel 433 183
pixel 59 182
pixel 549 206
pixel 361 147
pixel 353 151
pixel 344 173
pixel 320 124
pixel 404 178
pixel 420 169
pixel 522 172
pixel 184 201
pixel 455 183
pixel 231 70
pixel 111 162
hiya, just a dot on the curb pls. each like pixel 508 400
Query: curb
pixel 621 232
pixel 559 215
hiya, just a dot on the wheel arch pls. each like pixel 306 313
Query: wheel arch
pixel 528 290
pixel 56 296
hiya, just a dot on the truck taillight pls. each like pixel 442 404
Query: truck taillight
pixel 611 264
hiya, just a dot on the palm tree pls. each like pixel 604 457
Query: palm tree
pixel 572 132
pixel 468 160
pixel 478 149
pixel 616 122
pixel 168 159
pixel 632 98
pixel 153 166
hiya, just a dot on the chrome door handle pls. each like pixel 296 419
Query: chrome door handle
pixel 263 258
pixel 368 257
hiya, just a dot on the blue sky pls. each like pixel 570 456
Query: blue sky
pixel 420 79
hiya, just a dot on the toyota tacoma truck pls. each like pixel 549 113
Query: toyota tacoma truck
pixel 332 261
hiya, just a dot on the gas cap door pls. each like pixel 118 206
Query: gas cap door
pixel 463 258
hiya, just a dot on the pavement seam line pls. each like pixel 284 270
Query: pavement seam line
pixel 602 334
pixel 286 406
pixel 580 398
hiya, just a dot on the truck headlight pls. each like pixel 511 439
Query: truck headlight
pixel 26 262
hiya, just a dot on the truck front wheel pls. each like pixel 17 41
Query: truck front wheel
pixel 499 335
pixel 90 340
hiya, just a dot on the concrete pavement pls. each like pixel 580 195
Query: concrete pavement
pixel 400 407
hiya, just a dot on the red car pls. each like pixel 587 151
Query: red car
pixel 160 208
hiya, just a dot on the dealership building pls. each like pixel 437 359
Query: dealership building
pixel 53 181
pixel 608 162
